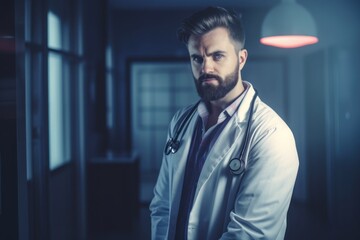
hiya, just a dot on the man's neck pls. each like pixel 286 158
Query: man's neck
pixel 217 106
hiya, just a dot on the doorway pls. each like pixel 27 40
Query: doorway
pixel 158 90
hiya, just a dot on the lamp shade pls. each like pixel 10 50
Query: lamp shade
pixel 288 25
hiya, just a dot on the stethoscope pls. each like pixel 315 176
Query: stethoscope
pixel 236 165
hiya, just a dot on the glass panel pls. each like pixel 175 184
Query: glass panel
pixel 54 31
pixel 61 27
pixel 184 98
pixel 109 101
pixel 184 79
pixel 161 99
pixel 145 99
pixel 146 80
pixel 154 80
pixel 155 87
pixel 35 117
pixel 161 80
pixel 154 119
pixel 109 89
pixel 27 12
pixel 59 111
pixel 28 81
pixel 66 109
pixel 162 119
pixel 109 59
pixel 33 21
pixel 145 119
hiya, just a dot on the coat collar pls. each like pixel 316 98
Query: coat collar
pixel 243 112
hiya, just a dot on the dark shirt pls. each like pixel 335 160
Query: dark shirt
pixel 201 144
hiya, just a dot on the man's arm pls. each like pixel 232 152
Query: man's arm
pixel 159 205
pixel 264 195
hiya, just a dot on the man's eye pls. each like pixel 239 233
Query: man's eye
pixel 218 57
pixel 197 59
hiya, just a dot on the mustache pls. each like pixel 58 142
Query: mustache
pixel 207 75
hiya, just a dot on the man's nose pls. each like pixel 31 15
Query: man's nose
pixel 207 66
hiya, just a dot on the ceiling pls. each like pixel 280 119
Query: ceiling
pixel 177 4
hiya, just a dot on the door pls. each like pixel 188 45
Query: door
pixel 158 90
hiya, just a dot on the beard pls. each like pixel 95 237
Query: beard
pixel 209 92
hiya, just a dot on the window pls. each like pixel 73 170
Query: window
pixel 59 111
pixel 54 116
pixel 109 90
pixel 54 31
pixel 62 67
pixel 158 90
pixel 52 65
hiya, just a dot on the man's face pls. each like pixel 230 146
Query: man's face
pixel 215 64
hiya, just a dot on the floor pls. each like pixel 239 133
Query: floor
pixel 303 224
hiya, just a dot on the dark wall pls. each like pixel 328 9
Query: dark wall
pixel 8 179
pixel 94 46
pixel 9 222
pixel 139 34
pixel 62 210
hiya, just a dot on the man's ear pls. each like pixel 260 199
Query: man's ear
pixel 242 57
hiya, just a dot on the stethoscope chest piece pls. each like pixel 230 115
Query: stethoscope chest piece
pixel 236 166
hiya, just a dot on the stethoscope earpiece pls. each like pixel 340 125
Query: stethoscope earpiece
pixel 172 146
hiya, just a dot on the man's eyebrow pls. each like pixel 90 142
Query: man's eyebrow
pixel 217 52
pixel 195 55
pixel 210 54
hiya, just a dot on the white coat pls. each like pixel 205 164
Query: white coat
pixel 252 205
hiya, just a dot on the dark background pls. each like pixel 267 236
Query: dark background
pixel 84 198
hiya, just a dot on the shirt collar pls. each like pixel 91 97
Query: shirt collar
pixel 229 111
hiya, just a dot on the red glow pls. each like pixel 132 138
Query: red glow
pixel 292 41
pixel 7 45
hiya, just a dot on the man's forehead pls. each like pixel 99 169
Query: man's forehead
pixel 215 40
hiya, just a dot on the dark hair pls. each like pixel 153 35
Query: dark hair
pixel 210 18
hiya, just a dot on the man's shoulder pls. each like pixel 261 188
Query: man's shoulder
pixel 267 117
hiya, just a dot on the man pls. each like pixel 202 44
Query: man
pixel 230 163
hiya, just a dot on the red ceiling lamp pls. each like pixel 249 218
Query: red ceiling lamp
pixel 288 25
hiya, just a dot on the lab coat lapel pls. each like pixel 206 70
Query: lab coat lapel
pixel 223 146
pixel 231 135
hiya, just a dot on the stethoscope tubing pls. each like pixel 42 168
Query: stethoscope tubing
pixel 186 121
pixel 236 165
pixel 247 133
pixel 173 143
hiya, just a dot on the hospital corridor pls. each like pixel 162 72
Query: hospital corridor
pixel 88 90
